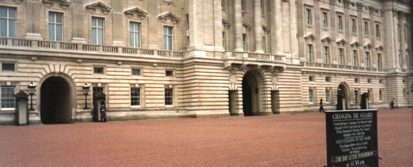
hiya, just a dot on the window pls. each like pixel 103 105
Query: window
pixel 187 18
pixel 379 64
pixel 169 73
pixel 356 95
pixel 98 70
pixel 328 79
pixel 242 5
pixel 167 38
pixel 97 30
pixel 380 95
pixel 367 59
pixel 135 95
pixel 366 28
pixel 338 1
pixel 7 67
pixel 169 96
pixel 355 58
pixel 311 78
pixel 325 19
pixel 223 39
pixel 341 55
pixel 135 34
pixel 311 95
pixel 244 42
pixel 353 26
pixel 308 16
pixel 264 44
pixel 381 81
pixel 55 26
pixel 7 97
pixel 97 90
pixel 136 71
pixel 7 22
pixel 326 55
pixel 378 34
pixel 356 80
pixel 339 23
pixel 327 95
pixel 310 53
pixel 368 80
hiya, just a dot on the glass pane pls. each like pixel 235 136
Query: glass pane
pixel 12 12
pixel 93 22
pixel 51 17
pixel 3 27
pixel 59 32
pixel 59 18
pixel 94 36
pixel 165 46
pixel 137 41
pixel 165 30
pixel 138 27
pixel 3 12
pixel 100 22
pixel 100 36
pixel 12 28
pixel 170 43
pixel 131 27
pixel 51 32
pixel 131 39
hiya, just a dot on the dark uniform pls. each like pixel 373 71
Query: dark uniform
pixel 321 106
pixel 103 113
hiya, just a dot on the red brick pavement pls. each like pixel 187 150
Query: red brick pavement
pixel 280 140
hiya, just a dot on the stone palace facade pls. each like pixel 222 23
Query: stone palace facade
pixel 152 59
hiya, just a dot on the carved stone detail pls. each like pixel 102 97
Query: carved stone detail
pixel 98 5
pixel 136 12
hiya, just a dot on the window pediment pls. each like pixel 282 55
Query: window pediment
pixel 355 43
pixel 137 12
pixel 309 37
pixel 326 40
pixel 367 45
pixel 105 9
pixel 169 16
pixel 226 23
pixel 341 42
pixel 246 26
pixel 62 3
pixel 379 47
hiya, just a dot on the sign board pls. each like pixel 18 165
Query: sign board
pixel 352 138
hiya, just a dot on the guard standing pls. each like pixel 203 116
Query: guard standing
pixel 392 104
pixel 321 106
pixel 103 112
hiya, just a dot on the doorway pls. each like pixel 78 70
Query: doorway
pixel 342 97
pixel 56 104
pixel 250 94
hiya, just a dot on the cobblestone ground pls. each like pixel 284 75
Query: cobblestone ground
pixel 279 140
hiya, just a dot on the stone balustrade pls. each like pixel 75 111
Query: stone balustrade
pixel 68 46
pixel 341 66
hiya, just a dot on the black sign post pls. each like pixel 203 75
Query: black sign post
pixel 352 138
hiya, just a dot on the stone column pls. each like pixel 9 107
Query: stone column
pixel 238 26
pixel 118 23
pixel 403 42
pixel 78 22
pixel 32 18
pixel 258 26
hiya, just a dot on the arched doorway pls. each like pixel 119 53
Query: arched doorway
pixel 342 97
pixel 56 103
pixel 251 94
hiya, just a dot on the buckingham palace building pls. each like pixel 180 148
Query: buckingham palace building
pixel 156 59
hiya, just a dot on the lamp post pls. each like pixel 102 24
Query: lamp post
pixel 32 88
pixel 86 92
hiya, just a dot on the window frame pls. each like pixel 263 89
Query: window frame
pixel 139 97
pixel 310 51
pixel 169 96
pixel 341 56
pixel 2 98
pixel 355 58
pixel 340 26
pixel 96 28
pixel 367 59
pixel 133 32
pixel 14 67
pixel 169 37
pixel 55 23
pixel 8 19
pixel 326 54
pixel 324 18
pixel 140 71
pixel 103 70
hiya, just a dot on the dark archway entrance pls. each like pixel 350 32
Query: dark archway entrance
pixel 55 101
pixel 342 97
pixel 250 94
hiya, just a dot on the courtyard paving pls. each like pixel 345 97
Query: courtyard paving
pixel 278 140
